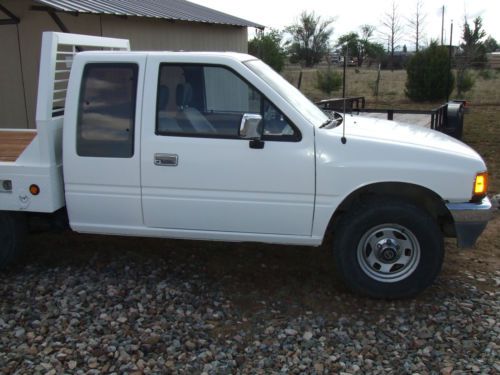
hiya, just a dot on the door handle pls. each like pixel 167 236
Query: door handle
pixel 166 160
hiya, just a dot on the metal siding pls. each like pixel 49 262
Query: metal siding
pixel 144 33
pixel 157 35
pixel 12 105
pixel 32 24
pixel 494 60
pixel 166 9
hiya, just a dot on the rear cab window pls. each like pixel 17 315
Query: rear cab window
pixel 106 110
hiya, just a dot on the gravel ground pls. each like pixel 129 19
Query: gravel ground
pixel 89 304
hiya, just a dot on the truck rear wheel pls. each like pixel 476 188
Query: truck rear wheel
pixel 12 233
pixel 388 249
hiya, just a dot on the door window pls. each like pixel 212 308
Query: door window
pixel 106 111
pixel 209 101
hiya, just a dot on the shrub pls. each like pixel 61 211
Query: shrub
pixel 465 81
pixel 486 74
pixel 328 81
pixel 428 75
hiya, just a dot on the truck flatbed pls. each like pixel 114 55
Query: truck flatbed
pixel 13 143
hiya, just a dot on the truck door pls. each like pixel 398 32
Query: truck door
pixel 199 175
pixel 102 152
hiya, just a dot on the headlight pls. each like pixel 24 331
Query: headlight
pixel 480 188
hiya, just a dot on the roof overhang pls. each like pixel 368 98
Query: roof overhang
pixel 172 10
pixel 11 19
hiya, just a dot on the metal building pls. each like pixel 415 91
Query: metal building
pixel 494 60
pixel 148 24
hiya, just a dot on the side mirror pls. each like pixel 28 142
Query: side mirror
pixel 250 126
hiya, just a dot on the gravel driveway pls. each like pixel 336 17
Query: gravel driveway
pixel 90 304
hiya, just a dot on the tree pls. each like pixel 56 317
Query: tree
pixel 491 45
pixel 372 50
pixel 416 24
pixel 361 47
pixel 375 51
pixel 367 32
pixel 310 38
pixel 472 47
pixel 393 29
pixel 351 42
pixel 472 53
pixel 268 47
pixel 429 76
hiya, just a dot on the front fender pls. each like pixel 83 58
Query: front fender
pixel 344 168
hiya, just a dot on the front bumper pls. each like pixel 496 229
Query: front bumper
pixel 470 220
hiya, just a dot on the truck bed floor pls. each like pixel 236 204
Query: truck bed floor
pixel 13 143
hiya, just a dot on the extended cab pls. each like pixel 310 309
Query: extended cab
pixel 217 146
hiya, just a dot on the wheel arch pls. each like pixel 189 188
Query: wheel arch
pixel 418 195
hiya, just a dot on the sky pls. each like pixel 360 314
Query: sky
pixel 349 15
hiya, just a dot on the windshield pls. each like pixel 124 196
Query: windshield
pixel 288 92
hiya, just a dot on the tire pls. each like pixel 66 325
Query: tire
pixel 388 249
pixel 12 233
pixel 455 120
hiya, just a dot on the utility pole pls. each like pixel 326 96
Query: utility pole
pixel 344 81
pixel 449 62
pixel 442 26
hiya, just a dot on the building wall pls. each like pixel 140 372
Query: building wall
pixel 494 60
pixel 12 103
pixel 21 48
pixel 161 35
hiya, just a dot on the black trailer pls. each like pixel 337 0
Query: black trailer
pixel 447 118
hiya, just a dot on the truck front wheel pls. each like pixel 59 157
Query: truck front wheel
pixel 388 249
pixel 12 232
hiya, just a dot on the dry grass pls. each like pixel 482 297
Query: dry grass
pixel 361 82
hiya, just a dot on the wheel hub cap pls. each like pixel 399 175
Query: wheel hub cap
pixel 388 252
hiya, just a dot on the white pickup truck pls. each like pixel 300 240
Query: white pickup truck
pixel 217 146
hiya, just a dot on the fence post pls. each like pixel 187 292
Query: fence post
pixel 377 82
